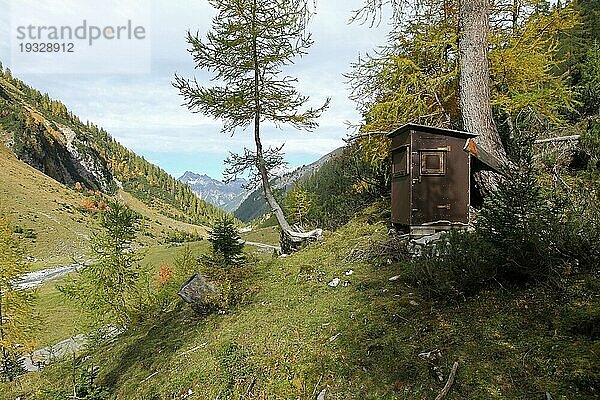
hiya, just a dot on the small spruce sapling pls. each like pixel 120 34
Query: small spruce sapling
pixel 226 242
pixel 226 263
pixel 519 219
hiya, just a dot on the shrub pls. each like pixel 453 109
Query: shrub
pixel 522 234
pixel 169 278
pixel 84 387
pixel 27 233
pixel 579 239
pixel 520 221
pixel 456 266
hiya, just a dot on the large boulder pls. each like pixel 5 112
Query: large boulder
pixel 200 294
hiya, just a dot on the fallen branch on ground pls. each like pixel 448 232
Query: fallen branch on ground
pixel 558 139
pixel 446 388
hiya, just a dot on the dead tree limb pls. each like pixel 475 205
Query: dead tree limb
pixel 448 385
pixel 571 138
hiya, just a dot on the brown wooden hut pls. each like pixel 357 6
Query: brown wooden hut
pixel 431 178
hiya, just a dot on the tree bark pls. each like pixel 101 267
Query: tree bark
pixel 260 160
pixel 474 81
pixel 474 87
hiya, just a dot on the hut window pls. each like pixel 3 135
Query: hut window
pixel 400 161
pixel 433 162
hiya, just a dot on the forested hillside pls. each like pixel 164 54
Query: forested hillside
pixel 255 205
pixel 45 134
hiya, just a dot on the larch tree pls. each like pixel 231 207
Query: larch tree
pixel 446 64
pixel 250 42
pixel 16 317
pixel 108 290
pixel 474 72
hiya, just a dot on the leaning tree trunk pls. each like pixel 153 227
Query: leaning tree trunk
pixel 290 239
pixel 264 176
pixel 260 160
pixel 474 85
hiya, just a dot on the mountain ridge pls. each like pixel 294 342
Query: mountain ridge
pixel 226 196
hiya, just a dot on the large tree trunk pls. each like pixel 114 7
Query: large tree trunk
pixel 474 86
pixel 474 83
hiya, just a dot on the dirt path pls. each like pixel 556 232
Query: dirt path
pixel 262 245
pixel 38 359
pixel 47 355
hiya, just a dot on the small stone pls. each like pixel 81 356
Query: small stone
pixel 346 283
pixel 413 303
pixel 349 272
pixel 431 356
pixel 321 395
pixel 334 282
pixel 394 278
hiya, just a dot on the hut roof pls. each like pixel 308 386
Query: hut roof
pixel 431 129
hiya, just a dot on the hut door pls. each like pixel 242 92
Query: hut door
pixel 431 202
pixel 401 185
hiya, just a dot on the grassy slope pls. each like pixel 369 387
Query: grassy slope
pixel 268 235
pixel 60 317
pixel 299 335
pixel 156 223
pixel 35 201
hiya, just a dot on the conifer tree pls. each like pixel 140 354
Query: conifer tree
pixel 416 77
pixel 518 219
pixel 108 288
pixel 251 41
pixel 16 322
pixel 226 242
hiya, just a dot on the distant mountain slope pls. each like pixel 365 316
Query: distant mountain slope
pixel 44 134
pixel 58 225
pixel 48 209
pixel 255 205
pixel 50 147
pixel 226 196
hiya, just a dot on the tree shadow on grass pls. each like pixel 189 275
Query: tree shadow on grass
pixel 145 349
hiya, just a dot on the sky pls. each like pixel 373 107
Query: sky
pixel 144 112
